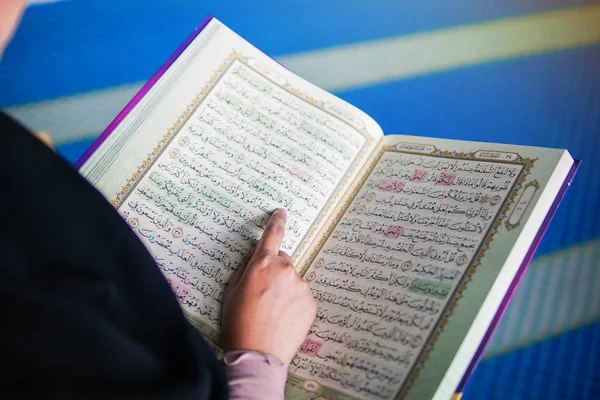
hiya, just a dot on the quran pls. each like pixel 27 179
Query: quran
pixel 412 246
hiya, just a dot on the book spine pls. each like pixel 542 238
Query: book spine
pixel 143 91
pixel 515 283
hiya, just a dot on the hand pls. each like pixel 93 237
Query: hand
pixel 9 19
pixel 267 307
pixel 45 138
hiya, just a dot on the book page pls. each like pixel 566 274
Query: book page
pixel 252 139
pixel 390 272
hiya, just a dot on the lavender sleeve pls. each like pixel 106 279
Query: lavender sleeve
pixel 252 375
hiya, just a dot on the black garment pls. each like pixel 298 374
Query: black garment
pixel 84 311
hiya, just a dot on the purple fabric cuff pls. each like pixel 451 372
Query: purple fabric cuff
pixel 253 375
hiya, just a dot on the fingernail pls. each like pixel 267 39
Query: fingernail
pixel 281 212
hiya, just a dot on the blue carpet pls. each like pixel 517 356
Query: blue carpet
pixel 564 367
pixel 77 47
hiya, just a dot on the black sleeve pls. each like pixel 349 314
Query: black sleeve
pixel 84 311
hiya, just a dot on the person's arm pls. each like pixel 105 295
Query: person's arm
pixel 252 375
pixel 267 312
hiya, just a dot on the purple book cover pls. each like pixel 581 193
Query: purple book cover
pixel 497 317
pixel 143 91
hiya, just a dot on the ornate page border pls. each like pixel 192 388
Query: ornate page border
pixel 535 187
pixel 210 333
pixel 166 139
pixel 431 151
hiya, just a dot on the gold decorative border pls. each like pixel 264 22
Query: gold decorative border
pixel 495 151
pixel 527 163
pixel 197 101
pixel 536 187
pixel 173 131
pixel 120 197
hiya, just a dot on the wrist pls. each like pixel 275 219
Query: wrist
pixel 233 357
pixel 254 375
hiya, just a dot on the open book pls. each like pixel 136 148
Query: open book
pixel 412 246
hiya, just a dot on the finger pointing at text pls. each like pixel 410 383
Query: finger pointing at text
pixel 267 306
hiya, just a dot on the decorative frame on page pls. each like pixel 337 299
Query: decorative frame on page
pixel 340 114
pixel 343 116
pixel 527 193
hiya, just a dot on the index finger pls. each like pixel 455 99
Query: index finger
pixel 271 240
